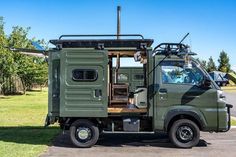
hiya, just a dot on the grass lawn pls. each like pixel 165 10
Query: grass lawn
pixel 21 125
pixel 233 122
pixel 229 88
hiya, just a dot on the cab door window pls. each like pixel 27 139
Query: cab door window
pixel 174 72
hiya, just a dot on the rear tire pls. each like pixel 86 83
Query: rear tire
pixel 84 133
pixel 184 133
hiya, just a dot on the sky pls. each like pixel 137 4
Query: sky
pixel 211 23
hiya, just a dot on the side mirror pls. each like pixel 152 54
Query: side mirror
pixel 207 82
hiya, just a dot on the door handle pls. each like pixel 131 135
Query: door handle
pixel 163 94
pixel 162 91
pixel 98 94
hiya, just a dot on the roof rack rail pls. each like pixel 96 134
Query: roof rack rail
pixel 101 35
pixel 102 41
pixel 172 49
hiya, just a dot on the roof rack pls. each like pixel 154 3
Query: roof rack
pixel 101 35
pixel 75 41
pixel 172 49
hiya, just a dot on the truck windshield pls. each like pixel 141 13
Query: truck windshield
pixel 174 72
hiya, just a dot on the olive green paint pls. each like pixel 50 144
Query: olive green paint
pixel 77 99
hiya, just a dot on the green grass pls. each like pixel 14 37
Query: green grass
pixel 233 122
pixel 21 125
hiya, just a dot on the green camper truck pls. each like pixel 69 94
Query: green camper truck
pixel 176 95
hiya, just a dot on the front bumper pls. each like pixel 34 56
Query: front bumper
pixel 228 106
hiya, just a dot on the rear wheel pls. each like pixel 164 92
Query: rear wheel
pixel 184 133
pixel 84 133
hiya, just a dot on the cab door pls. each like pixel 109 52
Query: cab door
pixel 83 83
pixel 181 90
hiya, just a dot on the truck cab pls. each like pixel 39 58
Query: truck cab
pixel 88 96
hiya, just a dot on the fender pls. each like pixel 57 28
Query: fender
pixel 176 112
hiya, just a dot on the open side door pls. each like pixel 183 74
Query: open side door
pixel 83 83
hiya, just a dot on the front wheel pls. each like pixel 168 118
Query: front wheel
pixel 184 133
pixel 84 133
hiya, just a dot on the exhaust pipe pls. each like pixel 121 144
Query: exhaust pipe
pixel 118 37
pixel 118 21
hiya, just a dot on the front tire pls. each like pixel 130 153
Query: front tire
pixel 184 133
pixel 84 133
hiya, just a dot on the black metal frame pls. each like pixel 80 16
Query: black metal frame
pixel 102 43
pixel 172 49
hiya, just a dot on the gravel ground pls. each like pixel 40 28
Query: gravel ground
pixel 146 145
pixel 135 145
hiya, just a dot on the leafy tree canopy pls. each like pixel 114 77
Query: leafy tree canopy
pixel 224 64
pixel 30 69
pixel 211 65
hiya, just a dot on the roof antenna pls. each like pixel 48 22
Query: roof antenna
pixel 184 38
pixel 187 59
pixel 118 21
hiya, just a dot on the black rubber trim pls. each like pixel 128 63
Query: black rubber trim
pixel 229 106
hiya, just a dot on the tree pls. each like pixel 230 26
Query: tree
pixel 211 65
pixel 202 62
pixel 224 64
pixel 7 65
pixel 30 69
pixel 41 71
pixel 18 38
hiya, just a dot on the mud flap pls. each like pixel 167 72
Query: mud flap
pixel 50 120
pixel 47 122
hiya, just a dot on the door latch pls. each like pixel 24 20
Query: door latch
pixel 98 94
pixel 163 94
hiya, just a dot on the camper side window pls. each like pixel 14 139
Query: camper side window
pixel 84 75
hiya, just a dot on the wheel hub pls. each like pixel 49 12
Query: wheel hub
pixel 83 133
pixel 185 133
